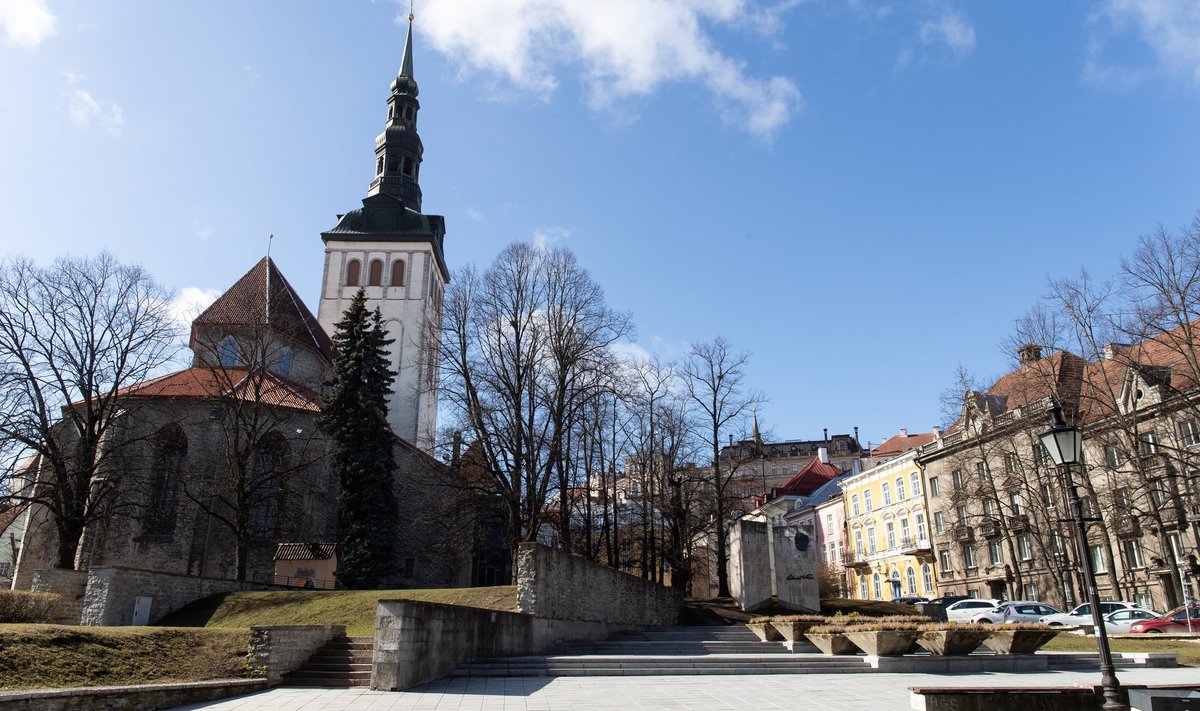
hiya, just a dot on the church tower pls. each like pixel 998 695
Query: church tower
pixel 394 251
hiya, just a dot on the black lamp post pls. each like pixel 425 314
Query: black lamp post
pixel 1065 445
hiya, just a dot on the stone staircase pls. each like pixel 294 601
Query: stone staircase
pixel 669 651
pixel 342 662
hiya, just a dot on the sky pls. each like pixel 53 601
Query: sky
pixel 863 195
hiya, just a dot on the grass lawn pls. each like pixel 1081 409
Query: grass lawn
pixel 1188 652
pixel 47 656
pixel 353 608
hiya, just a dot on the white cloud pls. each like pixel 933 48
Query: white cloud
pixel 630 353
pixel 952 29
pixel 202 229
pixel 474 214
pixel 86 110
pixel 1170 28
pixel 27 23
pixel 190 302
pixel 546 237
pixel 621 48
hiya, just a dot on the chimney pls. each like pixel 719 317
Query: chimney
pixel 826 431
pixel 937 432
pixel 856 434
pixel 903 431
pixel 823 453
pixel 1029 353
pixel 1112 350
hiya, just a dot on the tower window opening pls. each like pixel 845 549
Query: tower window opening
pixel 408 166
pixel 398 273
pixel 391 112
pixel 379 166
pixel 393 165
pixel 352 272
pixel 376 275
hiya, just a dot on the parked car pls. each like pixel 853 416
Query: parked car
pixel 1082 615
pixel 1122 621
pixel 965 609
pixel 1174 621
pixel 1015 611
pixel 935 609
pixel 910 600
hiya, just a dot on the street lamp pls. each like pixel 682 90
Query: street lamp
pixel 1064 443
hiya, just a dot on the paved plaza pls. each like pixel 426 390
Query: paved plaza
pixel 811 692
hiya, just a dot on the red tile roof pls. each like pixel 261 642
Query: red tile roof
pixel 264 297
pixel 305 551
pixel 901 443
pixel 809 479
pixel 231 382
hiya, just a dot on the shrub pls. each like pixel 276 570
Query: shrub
pixel 1022 626
pixel 27 607
pixel 945 626
pixel 799 618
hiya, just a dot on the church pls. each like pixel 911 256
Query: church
pixel 224 470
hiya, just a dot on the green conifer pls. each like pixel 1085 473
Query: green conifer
pixel 355 418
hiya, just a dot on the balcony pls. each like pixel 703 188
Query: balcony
pixel 916 546
pixel 1018 524
pixel 856 560
pixel 1127 526
pixel 989 528
pixel 964 533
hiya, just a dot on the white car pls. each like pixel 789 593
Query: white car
pixel 966 609
pixel 1015 611
pixel 1119 622
pixel 1082 615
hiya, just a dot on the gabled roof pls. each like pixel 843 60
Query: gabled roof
pixel 231 382
pixel 901 443
pixel 305 551
pixel 263 297
pixel 814 475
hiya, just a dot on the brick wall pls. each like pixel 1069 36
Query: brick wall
pixel 69 585
pixel 112 593
pixel 556 585
pixel 275 651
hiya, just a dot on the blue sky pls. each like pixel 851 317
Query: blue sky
pixel 863 195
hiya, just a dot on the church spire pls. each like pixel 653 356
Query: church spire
pixel 398 150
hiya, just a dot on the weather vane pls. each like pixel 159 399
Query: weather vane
pixel 410 10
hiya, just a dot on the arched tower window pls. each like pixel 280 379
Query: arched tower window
pixel 393 164
pixel 353 270
pixel 229 352
pixel 171 447
pixel 266 488
pixel 376 276
pixel 379 166
pixel 397 273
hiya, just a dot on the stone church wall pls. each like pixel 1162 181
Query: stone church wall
pixel 69 585
pixel 112 593
pixel 557 585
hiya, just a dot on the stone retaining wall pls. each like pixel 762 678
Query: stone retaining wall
pixel 112 593
pixel 70 585
pixel 127 698
pixel 275 651
pixel 556 585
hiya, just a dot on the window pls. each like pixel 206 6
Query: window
pixel 1056 543
pixel 944 561
pixel 871 539
pixel 172 446
pixel 353 269
pixel 393 165
pixel 956 477
pixel 915 479
pixel 829 523
pixel 1030 591
pixel 862 588
pixel 962 513
pixel 1176 546
pixel 1143 599
pixel 1147 443
pixel 939 521
pixel 1010 464
pixel 867 502
pixel 1018 507
pixel 933 486
pixel 1189 434
pixel 264 499
pixel 1099 562
pixel 887 493
pixel 379 166
pixel 968 554
pixel 910 576
pixel 854 505
pixel 1024 547
pixel 397 273
pixel 981 470
pixel 927 577
pixel 890 529
pixel 229 353
pixel 989 507
pixel 900 489
pixel 921 534
pixel 283 364
pixel 1121 499
pixel 1159 496
pixel 858 541
pixel 408 166
pixel 877 579
pixel 905 532
pixel 995 553
pixel 1133 553
pixel 1112 456
pixel 1047 494
pixel 376 274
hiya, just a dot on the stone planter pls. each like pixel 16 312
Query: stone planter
pixel 884 643
pixel 952 642
pixel 832 643
pixel 1002 641
pixel 794 631
pixel 765 631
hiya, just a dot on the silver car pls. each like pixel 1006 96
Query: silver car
pixel 966 609
pixel 1015 611
pixel 1119 622
pixel 1082 615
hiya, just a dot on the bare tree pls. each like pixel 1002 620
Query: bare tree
pixel 714 379
pixel 73 336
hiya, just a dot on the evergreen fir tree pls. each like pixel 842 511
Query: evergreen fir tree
pixel 355 418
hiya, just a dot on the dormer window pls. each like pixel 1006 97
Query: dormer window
pixel 229 352
pixel 353 270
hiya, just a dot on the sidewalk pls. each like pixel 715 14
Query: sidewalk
pixel 813 692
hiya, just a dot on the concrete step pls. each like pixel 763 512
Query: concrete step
pixel 341 662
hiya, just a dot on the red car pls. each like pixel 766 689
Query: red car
pixel 1174 621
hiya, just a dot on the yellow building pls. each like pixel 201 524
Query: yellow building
pixel 887 528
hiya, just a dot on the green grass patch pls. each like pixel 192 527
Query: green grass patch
pixel 1188 652
pixel 50 656
pixel 353 608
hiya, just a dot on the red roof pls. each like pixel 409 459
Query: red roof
pixel 305 551
pixel 264 297
pixel 809 479
pixel 231 382
pixel 901 443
